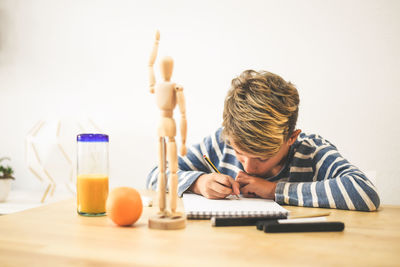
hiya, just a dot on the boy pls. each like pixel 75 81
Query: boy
pixel 268 157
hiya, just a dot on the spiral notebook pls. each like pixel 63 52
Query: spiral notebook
pixel 199 207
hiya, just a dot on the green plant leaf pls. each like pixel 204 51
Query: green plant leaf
pixel 6 172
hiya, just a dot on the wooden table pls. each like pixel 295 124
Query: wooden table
pixel 55 235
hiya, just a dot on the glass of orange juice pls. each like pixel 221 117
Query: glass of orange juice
pixel 92 174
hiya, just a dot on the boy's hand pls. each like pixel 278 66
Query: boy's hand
pixel 215 186
pixel 251 186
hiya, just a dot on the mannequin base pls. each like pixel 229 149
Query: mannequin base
pixel 167 223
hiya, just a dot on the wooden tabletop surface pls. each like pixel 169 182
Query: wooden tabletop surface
pixel 55 235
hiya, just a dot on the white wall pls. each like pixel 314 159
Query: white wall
pixel 89 59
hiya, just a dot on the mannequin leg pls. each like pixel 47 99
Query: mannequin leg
pixel 166 220
pixel 161 175
pixel 173 178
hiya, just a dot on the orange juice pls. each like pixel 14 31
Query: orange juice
pixel 92 192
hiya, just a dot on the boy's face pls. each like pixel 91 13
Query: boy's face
pixel 264 167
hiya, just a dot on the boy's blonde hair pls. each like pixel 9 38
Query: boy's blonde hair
pixel 260 112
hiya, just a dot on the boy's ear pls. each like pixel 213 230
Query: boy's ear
pixel 293 137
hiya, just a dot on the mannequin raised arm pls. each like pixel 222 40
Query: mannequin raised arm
pixel 153 56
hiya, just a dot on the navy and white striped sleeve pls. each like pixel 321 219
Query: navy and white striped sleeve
pixel 192 165
pixel 333 183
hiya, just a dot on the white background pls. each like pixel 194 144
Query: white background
pixel 88 59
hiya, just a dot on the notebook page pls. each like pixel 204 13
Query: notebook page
pixel 196 205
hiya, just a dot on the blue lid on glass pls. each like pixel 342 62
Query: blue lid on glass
pixel 90 137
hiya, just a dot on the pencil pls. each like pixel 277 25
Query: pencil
pixel 210 163
pixel 215 169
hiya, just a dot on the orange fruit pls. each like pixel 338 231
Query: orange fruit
pixel 124 206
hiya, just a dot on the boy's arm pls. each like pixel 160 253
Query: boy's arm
pixel 185 179
pixel 192 165
pixel 336 184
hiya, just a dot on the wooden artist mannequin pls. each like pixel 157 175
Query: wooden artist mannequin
pixel 168 94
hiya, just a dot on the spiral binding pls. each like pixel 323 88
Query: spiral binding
pixel 234 214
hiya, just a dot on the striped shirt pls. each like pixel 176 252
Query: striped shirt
pixel 314 175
